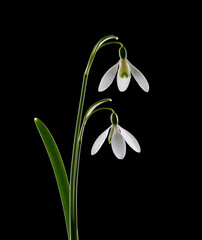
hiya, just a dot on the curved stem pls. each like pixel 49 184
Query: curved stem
pixel 86 119
pixel 109 43
pixel 76 144
pixel 99 109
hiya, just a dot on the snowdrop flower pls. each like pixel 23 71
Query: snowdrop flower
pixel 118 137
pixel 125 68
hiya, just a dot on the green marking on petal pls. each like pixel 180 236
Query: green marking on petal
pixel 125 74
pixel 124 69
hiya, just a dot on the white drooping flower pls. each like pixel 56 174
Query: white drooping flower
pixel 118 137
pixel 124 68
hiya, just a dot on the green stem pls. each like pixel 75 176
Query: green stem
pixel 77 145
pixel 99 109
pixel 109 43
pixel 86 119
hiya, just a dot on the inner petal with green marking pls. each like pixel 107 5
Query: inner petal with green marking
pixel 124 69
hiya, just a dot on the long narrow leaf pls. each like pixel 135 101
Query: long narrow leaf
pixel 58 167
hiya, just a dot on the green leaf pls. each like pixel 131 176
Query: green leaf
pixel 58 167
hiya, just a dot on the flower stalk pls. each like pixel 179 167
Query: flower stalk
pixel 77 145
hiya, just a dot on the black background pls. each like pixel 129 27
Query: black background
pixel 47 48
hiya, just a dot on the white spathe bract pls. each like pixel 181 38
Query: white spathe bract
pixel 125 68
pixel 118 138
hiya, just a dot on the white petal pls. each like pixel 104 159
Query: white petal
pixel 108 78
pixel 118 144
pixel 130 139
pixel 139 77
pixel 99 141
pixel 122 83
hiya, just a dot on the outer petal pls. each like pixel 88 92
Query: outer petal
pixel 118 144
pixel 139 77
pixel 108 78
pixel 99 141
pixel 130 139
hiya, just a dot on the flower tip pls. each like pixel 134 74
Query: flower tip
pixel 146 89
pixel 100 90
pixel 93 151
pixel 35 119
pixel 122 90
